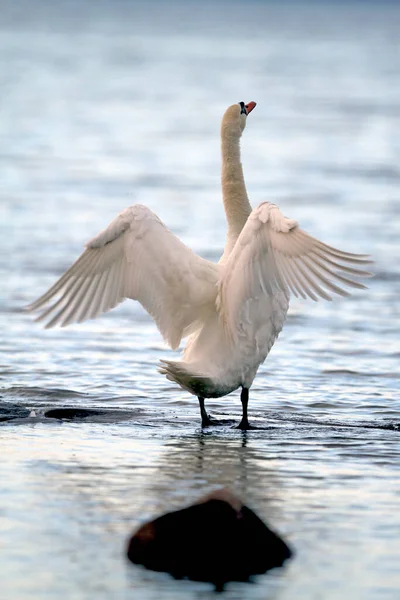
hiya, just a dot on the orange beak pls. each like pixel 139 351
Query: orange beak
pixel 250 106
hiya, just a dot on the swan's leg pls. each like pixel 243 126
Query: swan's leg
pixel 244 397
pixel 206 421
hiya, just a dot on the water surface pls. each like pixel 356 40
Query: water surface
pixel 102 109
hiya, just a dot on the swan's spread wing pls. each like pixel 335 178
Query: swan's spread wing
pixel 272 255
pixel 136 257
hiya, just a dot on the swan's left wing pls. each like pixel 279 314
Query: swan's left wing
pixel 272 255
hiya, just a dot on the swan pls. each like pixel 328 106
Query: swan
pixel 232 312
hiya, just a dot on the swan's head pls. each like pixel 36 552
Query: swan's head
pixel 234 119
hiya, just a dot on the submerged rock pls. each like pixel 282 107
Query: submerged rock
pixel 217 540
pixel 10 411
pixel 72 413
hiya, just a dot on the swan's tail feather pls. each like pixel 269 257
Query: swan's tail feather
pixel 181 373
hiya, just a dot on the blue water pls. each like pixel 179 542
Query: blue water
pixel 107 104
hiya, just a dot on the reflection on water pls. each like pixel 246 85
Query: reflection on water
pixel 103 108
pixel 74 493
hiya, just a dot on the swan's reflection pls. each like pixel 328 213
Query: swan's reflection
pixel 194 465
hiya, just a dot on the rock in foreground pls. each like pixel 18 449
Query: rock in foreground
pixel 217 540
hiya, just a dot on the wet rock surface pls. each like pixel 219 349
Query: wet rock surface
pixel 9 411
pixel 73 413
pixel 217 540
pixel 34 411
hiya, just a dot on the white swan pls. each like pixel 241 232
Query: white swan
pixel 233 311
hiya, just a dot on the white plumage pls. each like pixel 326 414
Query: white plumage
pixel 233 311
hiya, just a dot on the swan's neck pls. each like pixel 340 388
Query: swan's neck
pixel 236 203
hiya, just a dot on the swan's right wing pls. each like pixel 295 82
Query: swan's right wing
pixel 273 255
pixel 136 257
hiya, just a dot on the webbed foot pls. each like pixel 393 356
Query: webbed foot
pixel 210 421
pixel 244 425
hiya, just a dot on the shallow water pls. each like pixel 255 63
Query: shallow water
pixel 103 109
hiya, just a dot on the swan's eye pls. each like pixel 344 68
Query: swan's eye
pixel 243 110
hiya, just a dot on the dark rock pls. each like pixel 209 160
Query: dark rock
pixel 72 413
pixel 10 411
pixel 216 540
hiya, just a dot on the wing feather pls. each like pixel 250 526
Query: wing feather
pixel 82 308
pixel 294 278
pixel 309 285
pixel 71 289
pixel 348 256
pixel 272 255
pixel 283 268
pixel 344 268
pixel 317 268
pixel 82 263
pixel 135 257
